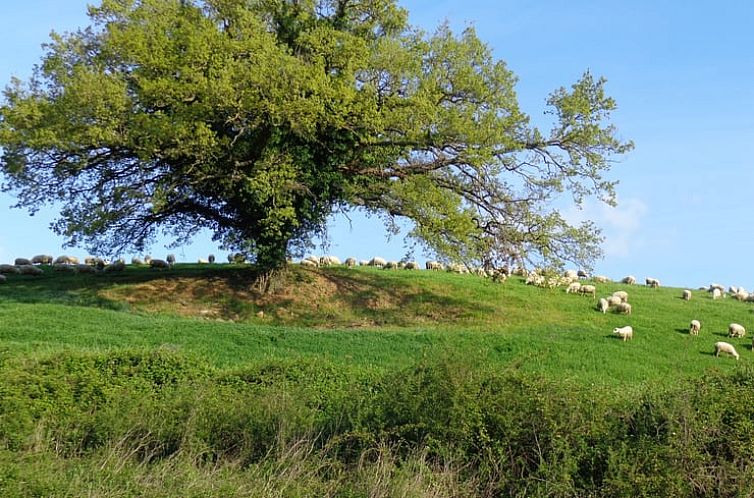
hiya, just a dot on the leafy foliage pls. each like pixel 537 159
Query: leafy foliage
pixel 256 120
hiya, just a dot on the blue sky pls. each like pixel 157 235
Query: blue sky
pixel 681 72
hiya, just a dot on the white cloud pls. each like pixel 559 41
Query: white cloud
pixel 620 225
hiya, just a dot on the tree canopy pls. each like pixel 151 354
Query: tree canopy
pixel 257 119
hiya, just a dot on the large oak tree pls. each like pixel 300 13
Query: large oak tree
pixel 257 119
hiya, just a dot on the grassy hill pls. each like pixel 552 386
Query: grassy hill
pixel 363 382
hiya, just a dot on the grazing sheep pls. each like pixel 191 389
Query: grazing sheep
pixel 687 295
pixel 350 262
pixel 614 300
pixel 603 305
pixel 41 259
pixel 170 259
pixel 630 280
pixel 8 269
pixel 716 294
pixel 211 259
pixel 115 267
pixel 736 330
pixel 29 270
pixel 66 260
pixel 202 261
pixel 363 262
pixel 652 282
pixel 390 265
pixel 623 295
pixel 695 327
pixel 147 259
pixel 21 262
pixel 741 295
pixel 719 287
pixel 309 263
pixel 571 274
pixel 59 267
pixel 434 265
pixel 588 290
pixel 159 264
pixel 573 287
pixel 624 333
pixel 601 279
pixel 411 265
pixel 724 347
pixel 377 261
pixel 329 261
pixel 311 259
pixel 623 308
pixel 582 274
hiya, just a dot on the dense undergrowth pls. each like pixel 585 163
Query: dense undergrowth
pixel 524 394
pixel 161 423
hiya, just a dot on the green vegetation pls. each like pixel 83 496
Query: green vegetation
pixel 256 120
pixel 510 390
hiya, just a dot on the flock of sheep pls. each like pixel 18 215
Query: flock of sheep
pixel 91 264
pixel 571 279
pixel 618 301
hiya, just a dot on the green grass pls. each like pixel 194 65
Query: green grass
pixel 365 383
pixel 537 330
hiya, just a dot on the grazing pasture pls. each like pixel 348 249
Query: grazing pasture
pixel 365 382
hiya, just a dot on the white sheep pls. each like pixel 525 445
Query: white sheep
pixel 329 261
pixel 350 262
pixel 724 347
pixel 411 265
pixel 601 279
pixel 695 327
pixel 630 280
pixel 571 274
pixel 652 282
pixel 736 330
pixel 309 263
pixel 582 274
pixel 115 266
pixel 170 259
pixel 159 264
pixel 626 333
pixel 211 259
pixel 686 295
pixel 59 267
pixel 363 262
pixel 573 287
pixel 22 262
pixel 614 301
pixel 312 261
pixel 623 308
pixel 623 295
pixel 66 260
pixel 716 286
pixel 716 293
pixel 390 265
pixel 603 305
pixel 433 265
pixel 202 261
pixel 377 261
pixel 588 290
pixel 41 259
